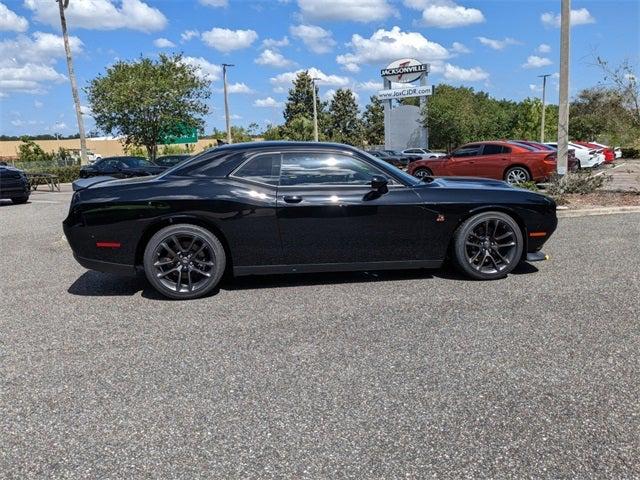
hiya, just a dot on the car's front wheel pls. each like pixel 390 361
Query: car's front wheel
pixel 488 246
pixel 184 261
pixel 18 200
pixel 422 173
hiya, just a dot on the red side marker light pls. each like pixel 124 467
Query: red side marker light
pixel 537 234
pixel 108 244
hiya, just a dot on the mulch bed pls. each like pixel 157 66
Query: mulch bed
pixel 602 199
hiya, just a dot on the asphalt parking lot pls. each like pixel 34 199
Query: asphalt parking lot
pixel 357 375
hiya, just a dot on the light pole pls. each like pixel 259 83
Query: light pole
pixel 563 110
pixel 226 101
pixel 544 89
pixel 315 109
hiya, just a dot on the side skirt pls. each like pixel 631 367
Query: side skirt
pixel 335 267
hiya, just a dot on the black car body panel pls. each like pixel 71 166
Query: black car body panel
pixel 287 228
pixel 13 183
pixel 121 167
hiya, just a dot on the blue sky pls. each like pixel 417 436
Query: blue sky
pixel 496 46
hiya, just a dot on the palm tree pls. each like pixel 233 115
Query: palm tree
pixel 72 78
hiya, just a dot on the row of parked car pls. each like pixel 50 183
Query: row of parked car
pixel 515 161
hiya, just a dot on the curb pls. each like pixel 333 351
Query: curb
pixel 587 212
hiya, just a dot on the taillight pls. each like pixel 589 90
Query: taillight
pixel 551 158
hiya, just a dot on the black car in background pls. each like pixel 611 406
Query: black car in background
pixel 287 207
pixel 394 158
pixel 14 184
pixel 170 160
pixel 121 167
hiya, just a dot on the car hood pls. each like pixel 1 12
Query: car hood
pixel 471 182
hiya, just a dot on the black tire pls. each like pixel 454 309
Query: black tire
pixel 516 175
pixel 482 246
pixel 184 261
pixel 422 173
pixel 19 200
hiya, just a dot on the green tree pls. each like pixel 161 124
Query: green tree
pixel 239 134
pixel 145 99
pixel 344 124
pixel 528 119
pixel 29 151
pixel 373 122
pixel 300 128
pixel 300 104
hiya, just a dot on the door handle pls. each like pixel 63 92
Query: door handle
pixel 292 198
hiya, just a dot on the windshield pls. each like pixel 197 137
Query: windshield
pixel 402 175
pixel 136 162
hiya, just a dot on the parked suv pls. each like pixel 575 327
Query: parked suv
pixel 14 184
pixel 501 160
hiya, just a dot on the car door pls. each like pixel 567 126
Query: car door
pixel 493 161
pixel 112 167
pixel 328 213
pixel 463 161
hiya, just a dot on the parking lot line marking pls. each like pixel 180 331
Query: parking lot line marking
pixel 42 201
pixel 605 171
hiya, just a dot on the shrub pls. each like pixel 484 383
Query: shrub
pixel 581 183
pixel 30 151
pixel 529 186
pixel 631 153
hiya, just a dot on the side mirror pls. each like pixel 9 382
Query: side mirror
pixel 379 184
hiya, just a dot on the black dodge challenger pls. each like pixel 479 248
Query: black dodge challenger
pixel 279 207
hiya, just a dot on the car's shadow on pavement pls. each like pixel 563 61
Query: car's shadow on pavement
pixel 97 284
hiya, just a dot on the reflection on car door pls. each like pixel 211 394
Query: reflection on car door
pixel 493 161
pixel 327 212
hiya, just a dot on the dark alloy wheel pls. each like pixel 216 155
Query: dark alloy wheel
pixel 19 200
pixel 516 175
pixel 422 173
pixel 488 246
pixel 184 261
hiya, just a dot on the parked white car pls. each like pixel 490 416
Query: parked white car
pixel 617 151
pixel 587 157
pixel 423 152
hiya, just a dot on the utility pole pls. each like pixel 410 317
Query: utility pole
pixel 563 113
pixel 544 89
pixel 315 110
pixel 226 101
pixel 62 4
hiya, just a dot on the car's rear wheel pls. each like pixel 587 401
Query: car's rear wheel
pixel 517 175
pixel 488 246
pixel 184 261
pixel 18 200
pixel 422 173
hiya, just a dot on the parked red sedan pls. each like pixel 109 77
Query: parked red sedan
pixel 609 154
pixel 501 160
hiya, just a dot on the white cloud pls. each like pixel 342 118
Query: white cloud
pixel 283 81
pixel 543 48
pixel 11 21
pixel 206 70
pixel 268 102
pixel 163 43
pixel 272 58
pixel 535 88
pixel 445 13
pixel 457 47
pixel 100 14
pixel 273 43
pixel 370 86
pixel 351 10
pixel 26 63
pixel 317 39
pixel 225 40
pixel 237 88
pixel 388 45
pixel 28 78
pixel 459 74
pixel 38 104
pixel 329 94
pixel 188 35
pixel 581 16
pixel 215 3
pixel 534 61
pixel 497 44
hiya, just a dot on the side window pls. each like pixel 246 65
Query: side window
pixel 263 168
pixel 324 169
pixel 492 149
pixel 413 150
pixel 468 151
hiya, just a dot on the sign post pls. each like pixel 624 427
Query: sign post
pixel 403 126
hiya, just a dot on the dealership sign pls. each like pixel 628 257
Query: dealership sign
pixel 393 93
pixel 405 70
